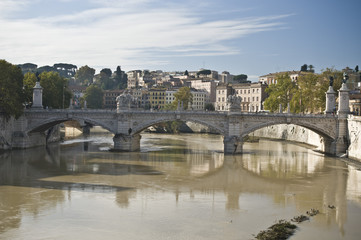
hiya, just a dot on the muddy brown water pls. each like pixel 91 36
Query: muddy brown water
pixel 176 187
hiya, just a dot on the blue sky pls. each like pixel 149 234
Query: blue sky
pixel 252 37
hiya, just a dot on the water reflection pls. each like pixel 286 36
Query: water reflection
pixel 272 180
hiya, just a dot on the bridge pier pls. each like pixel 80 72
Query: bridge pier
pixel 126 143
pixel 233 145
pixel 86 130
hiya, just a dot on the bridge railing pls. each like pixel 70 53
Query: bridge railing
pixel 203 112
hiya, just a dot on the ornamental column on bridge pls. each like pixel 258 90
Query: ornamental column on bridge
pixel 37 96
pixel 330 99
pixel 343 111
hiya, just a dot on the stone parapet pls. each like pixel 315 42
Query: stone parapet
pixel 354 130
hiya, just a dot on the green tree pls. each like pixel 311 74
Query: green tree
pixel 106 83
pixel 323 85
pixel 106 71
pixel 304 68
pixel 55 90
pixel 304 98
pixel 65 70
pixel 29 83
pixel 204 72
pixel 84 75
pixel 280 93
pixel 242 78
pixel 121 80
pixel 11 90
pixel 311 68
pixel 209 107
pixel 183 95
pixel 94 96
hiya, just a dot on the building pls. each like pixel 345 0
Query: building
pixel 199 100
pixel 143 97
pixel 109 98
pixel 133 78
pixel 271 78
pixel 204 85
pixel 157 98
pixel 222 93
pixel 253 95
pixel 225 77
pixel 169 96
pixel 78 92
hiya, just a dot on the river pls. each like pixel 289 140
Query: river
pixel 176 187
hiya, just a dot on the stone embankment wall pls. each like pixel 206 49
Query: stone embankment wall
pixel 11 138
pixel 354 130
pixel 290 133
pixel 6 130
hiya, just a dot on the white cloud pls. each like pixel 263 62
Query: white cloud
pixel 126 34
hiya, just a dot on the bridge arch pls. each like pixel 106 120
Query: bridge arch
pixel 139 128
pixel 48 123
pixel 315 129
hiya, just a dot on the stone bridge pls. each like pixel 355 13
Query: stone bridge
pixel 127 125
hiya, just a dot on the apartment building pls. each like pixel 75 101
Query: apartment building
pixel 199 100
pixel 133 78
pixel 169 96
pixel 157 98
pixel 109 98
pixel 222 93
pixel 206 85
pixel 271 78
pixel 143 97
pixel 252 94
pixel 225 77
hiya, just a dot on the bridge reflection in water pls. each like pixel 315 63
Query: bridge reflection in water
pixel 179 185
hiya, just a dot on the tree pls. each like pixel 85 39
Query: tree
pixel 183 95
pixel 11 90
pixel 65 70
pixel 106 83
pixel 29 83
pixel 209 107
pixel 204 72
pixel 55 90
pixel 242 78
pixel 45 69
pixel 304 68
pixel 94 96
pixel 304 98
pixel 28 67
pixel 323 85
pixel 356 68
pixel 186 73
pixel 84 75
pixel 107 72
pixel 121 80
pixel 311 68
pixel 280 93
